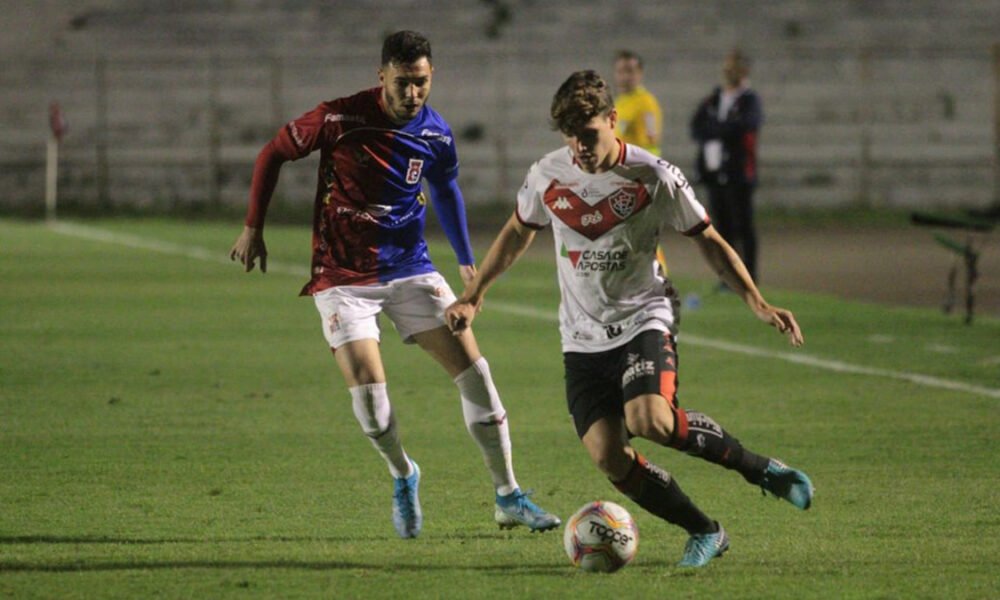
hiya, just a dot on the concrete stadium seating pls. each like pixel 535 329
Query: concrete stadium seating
pixel 877 102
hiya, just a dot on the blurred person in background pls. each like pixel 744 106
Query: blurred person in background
pixel 640 120
pixel 726 126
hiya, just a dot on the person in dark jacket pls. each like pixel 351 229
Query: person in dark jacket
pixel 726 126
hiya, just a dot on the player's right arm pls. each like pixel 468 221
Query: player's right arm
pixel 250 244
pixel 295 140
pixel 508 246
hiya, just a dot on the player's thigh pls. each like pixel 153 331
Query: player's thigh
pixel 349 317
pixel 592 389
pixel 416 309
pixel 417 304
pixel 649 385
pixel 606 440
pixel 454 353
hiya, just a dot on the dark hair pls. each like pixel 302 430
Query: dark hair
pixel 628 55
pixel 405 48
pixel 583 96
pixel 742 60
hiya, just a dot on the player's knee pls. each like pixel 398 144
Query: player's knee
pixel 480 398
pixel 371 408
pixel 614 461
pixel 647 421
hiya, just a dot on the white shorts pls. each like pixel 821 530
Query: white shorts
pixel 413 304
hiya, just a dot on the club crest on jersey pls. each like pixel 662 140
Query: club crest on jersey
pixel 622 203
pixel 414 170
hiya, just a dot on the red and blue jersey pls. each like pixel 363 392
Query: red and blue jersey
pixel 369 215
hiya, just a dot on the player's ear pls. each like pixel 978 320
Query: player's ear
pixel 381 76
pixel 613 117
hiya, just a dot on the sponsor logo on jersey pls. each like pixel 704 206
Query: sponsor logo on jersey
pixel 293 130
pixel 591 219
pixel 613 331
pixel 336 118
pixel 427 133
pixel 414 170
pixel 588 261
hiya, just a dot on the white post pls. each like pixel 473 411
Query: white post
pixel 51 177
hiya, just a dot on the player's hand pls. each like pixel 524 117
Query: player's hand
pixel 460 315
pixel 248 248
pixel 784 321
pixel 467 272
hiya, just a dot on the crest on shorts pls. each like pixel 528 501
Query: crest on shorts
pixel 622 203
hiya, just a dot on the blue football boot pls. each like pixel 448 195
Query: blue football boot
pixel 406 514
pixel 703 547
pixel 516 509
pixel 788 484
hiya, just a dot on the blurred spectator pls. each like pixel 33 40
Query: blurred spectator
pixel 639 116
pixel 726 126
pixel 640 119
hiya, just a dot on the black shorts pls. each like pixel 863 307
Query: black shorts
pixel 598 384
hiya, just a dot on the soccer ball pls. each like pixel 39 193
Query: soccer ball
pixel 601 537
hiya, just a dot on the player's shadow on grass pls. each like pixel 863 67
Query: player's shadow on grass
pixel 105 539
pixel 102 539
pixel 303 565
pixel 97 565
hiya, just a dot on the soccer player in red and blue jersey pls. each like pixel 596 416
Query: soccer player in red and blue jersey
pixel 369 257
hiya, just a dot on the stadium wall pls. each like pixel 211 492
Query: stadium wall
pixel 882 103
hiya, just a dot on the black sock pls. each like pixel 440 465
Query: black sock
pixel 699 435
pixel 655 490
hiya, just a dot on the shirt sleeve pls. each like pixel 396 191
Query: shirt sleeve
pixel 530 210
pixel 303 136
pixel 450 209
pixel 684 212
pixel 445 166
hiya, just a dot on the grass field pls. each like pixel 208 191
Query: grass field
pixel 173 427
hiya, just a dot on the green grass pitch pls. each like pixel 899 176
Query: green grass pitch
pixel 173 427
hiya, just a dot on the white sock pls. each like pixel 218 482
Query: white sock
pixel 374 413
pixel 486 420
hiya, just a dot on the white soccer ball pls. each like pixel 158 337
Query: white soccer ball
pixel 601 537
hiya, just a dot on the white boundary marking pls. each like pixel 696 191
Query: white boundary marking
pixel 198 253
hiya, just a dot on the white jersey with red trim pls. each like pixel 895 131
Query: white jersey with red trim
pixel 606 227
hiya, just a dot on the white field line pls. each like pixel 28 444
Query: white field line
pixel 197 253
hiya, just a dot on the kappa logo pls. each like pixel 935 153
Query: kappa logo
pixel 622 203
pixel 562 204
pixel 591 219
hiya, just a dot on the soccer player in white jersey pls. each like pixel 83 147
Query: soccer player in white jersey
pixel 607 203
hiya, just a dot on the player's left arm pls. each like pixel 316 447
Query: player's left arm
pixel 450 208
pixel 727 264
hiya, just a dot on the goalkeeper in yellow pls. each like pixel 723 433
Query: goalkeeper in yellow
pixel 640 120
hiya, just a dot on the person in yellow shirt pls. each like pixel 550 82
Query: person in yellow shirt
pixel 640 119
